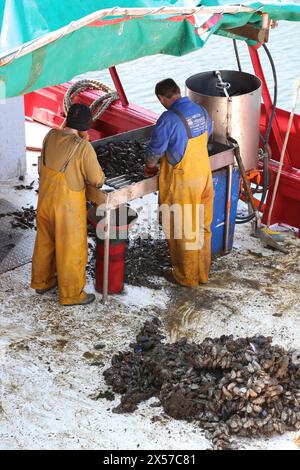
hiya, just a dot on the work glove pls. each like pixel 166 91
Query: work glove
pixel 150 171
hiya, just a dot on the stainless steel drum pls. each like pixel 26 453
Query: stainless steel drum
pixel 237 116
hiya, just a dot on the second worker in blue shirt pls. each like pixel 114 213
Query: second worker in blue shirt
pixel 179 141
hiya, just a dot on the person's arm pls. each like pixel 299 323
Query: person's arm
pixel 159 141
pixel 91 169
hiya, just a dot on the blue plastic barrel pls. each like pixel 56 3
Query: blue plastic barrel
pixel 220 202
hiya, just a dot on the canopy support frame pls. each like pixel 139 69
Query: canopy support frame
pixel 268 104
pixel 119 87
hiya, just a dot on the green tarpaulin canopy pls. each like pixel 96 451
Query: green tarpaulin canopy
pixel 46 42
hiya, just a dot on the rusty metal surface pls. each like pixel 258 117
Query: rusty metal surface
pixel 16 246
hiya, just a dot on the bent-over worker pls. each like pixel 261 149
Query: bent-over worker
pixel 68 164
pixel 179 141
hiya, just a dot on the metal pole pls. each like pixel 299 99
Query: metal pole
pixel 237 55
pixel 228 208
pixel 119 87
pixel 106 254
pixel 278 139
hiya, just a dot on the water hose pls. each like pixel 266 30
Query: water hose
pixel 242 220
pixel 99 106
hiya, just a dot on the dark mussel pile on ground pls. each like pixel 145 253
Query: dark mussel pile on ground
pixel 245 387
pixel 123 158
pixel 23 218
pixel 146 258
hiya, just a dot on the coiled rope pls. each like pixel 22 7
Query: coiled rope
pixel 100 105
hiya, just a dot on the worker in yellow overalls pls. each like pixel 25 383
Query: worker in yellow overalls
pixel 68 163
pixel 179 140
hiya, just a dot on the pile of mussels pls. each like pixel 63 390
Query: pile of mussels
pixel 245 387
pixel 123 158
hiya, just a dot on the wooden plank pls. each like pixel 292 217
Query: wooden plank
pixel 124 195
pixel 96 195
pixel 251 32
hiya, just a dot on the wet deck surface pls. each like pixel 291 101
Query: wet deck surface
pixel 47 351
pixel 16 245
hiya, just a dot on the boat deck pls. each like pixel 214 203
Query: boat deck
pixel 47 356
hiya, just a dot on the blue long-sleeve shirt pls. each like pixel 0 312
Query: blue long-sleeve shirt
pixel 170 136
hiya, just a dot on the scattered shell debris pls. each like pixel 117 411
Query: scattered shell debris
pixel 145 260
pixel 244 387
pixel 23 218
pixel 20 187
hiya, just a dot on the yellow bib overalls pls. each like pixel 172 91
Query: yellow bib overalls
pixel 188 185
pixel 61 240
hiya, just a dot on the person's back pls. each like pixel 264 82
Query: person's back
pixel 68 163
pixel 170 134
pixel 82 169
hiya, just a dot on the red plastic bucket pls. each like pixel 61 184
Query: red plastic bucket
pixel 116 267
pixel 117 250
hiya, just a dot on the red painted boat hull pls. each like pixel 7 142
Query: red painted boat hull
pixel 46 107
pixel 287 203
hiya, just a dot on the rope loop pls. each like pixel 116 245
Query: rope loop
pixel 100 105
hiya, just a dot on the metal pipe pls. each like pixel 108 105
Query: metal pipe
pixel 228 208
pixel 106 254
pixel 270 106
pixel 122 184
pixel 236 51
pixel 115 179
pixel 119 87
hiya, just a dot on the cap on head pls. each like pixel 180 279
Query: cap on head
pixel 79 117
pixel 167 88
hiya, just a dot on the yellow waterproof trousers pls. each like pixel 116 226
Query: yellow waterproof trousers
pixel 187 191
pixel 61 240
